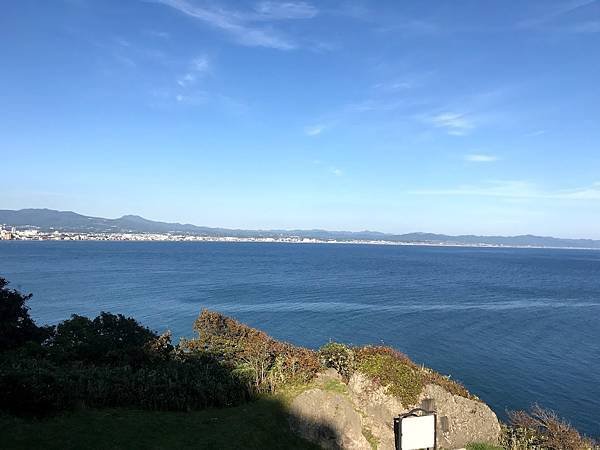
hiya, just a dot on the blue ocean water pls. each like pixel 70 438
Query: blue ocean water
pixel 516 326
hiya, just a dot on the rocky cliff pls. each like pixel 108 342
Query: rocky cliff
pixel 359 414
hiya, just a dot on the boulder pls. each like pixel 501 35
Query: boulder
pixel 327 419
pixel 460 420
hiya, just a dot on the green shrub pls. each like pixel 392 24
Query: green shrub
pixel 400 379
pixel 338 356
pixel 370 358
pixel 16 326
pixel 107 361
pixel 108 339
pixel 40 387
pixel 270 363
pixel 482 446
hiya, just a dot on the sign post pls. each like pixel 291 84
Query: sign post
pixel 415 430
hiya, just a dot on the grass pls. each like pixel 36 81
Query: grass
pixel 335 386
pixel 256 425
pixel 477 446
pixel 370 437
pixel 402 380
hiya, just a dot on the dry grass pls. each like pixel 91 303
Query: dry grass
pixel 543 429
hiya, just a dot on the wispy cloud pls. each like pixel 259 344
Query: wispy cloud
pixel 480 158
pixel 314 130
pixel 158 34
pixel 554 15
pixel 396 85
pixel 337 172
pixel 536 133
pixel 242 26
pixel 285 10
pixel 411 26
pixel 456 124
pixel 516 190
pixel 198 67
pixel 586 27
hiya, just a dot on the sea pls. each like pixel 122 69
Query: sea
pixel 516 326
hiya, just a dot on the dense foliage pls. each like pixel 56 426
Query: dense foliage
pixel 339 357
pixel 108 361
pixel 16 327
pixel 395 371
pixel 267 363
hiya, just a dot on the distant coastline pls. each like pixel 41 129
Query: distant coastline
pixel 47 224
pixel 35 235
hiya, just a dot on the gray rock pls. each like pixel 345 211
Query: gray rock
pixel 327 419
pixel 460 420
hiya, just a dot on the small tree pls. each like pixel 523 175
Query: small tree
pixel 16 326
pixel 108 339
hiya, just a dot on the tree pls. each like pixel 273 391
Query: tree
pixel 16 326
pixel 108 339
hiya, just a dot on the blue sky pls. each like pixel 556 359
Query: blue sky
pixel 458 116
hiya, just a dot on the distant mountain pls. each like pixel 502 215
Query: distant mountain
pixel 68 221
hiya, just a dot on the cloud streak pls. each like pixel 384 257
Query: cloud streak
pixel 555 14
pixel 515 190
pixel 198 67
pixel 456 124
pixel 480 158
pixel 241 26
pixel 314 130
pixel 285 10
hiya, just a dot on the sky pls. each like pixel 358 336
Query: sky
pixel 457 117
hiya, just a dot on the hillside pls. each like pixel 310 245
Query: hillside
pixel 68 221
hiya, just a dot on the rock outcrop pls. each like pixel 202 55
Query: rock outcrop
pixel 327 419
pixel 460 420
pixel 340 415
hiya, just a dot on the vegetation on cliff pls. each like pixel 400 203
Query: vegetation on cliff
pixel 388 367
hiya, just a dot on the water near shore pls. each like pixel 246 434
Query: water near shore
pixel 517 326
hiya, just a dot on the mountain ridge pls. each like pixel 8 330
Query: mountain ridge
pixel 68 221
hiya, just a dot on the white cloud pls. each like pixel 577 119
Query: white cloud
pixel 551 17
pixel 516 190
pixel 337 172
pixel 285 10
pixel 586 27
pixel 394 85
pixel 198 67
pixel 158 34
pixel 314 130
pixel 455 124
pixel 240 25
pixel 480 158
pixel 201 64
pixel 192 98
pixel 536 133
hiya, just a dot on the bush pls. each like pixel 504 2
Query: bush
pixel 338 356
pixel 16 327
pixel 400 379
pixel 108 339
pixel 269 363
pixel 372 361
pixel 107 361
pixel 543 429
pixel 40 387
pixel 482 446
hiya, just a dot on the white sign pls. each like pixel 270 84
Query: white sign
pixel 417 432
